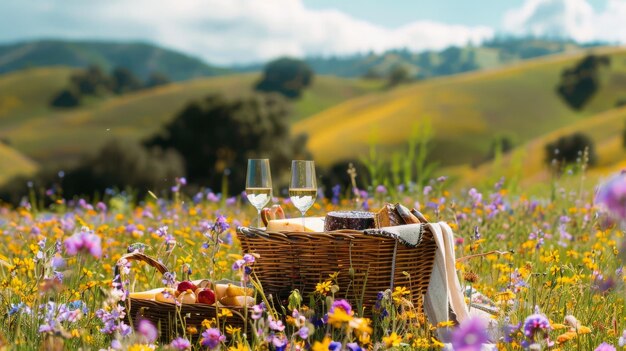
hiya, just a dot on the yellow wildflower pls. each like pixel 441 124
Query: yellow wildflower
pixel 239 347
pixel 323 288
pixel 232 330
pixel 392 340
pixel 321 346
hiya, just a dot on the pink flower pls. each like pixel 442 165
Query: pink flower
pixel 470 335
pixel 211 338
pixel 84 241
pixel 147 330
pixel 180 344
pixel 612 195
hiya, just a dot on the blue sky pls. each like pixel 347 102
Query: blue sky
pixel 399 12
pixel 228 32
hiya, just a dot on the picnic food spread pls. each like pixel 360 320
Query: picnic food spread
pixel 200 292
pixel 389 215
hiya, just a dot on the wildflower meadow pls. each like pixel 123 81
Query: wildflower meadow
pixel 550 265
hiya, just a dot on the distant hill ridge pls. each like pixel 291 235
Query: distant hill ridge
pixel 428 64
pixel 144 58
pixel 141 58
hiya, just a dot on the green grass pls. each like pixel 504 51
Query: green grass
pixel 47 134
pixel 467 111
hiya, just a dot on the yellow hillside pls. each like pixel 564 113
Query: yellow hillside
pixel 467 111
pixel 527 162
pixel 12 163
pixel 61 135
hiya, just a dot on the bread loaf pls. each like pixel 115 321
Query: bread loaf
pixel 388 217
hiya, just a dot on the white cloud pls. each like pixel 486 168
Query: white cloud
pixel 574 19
pixel 226 31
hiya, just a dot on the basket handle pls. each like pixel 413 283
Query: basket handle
pixel 137 256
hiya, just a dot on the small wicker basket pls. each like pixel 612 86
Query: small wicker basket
pixel 367 263
pixel 169 318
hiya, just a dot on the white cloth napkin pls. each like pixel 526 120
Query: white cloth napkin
pixel 444 289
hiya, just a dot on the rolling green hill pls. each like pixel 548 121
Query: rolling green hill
pixel 466 111
pixel 58 135
pixel 141 58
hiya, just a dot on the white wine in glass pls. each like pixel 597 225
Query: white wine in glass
pixel 259 185
pixel 303 186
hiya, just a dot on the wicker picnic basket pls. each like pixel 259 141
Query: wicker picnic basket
pixel 167 316
pixel 366 263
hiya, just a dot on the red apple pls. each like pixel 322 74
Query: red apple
pixel 186 285
pixel 206 296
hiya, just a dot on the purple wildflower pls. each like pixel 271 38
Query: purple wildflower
pixel 180 344
pixel 352 346
pixel 248 258
pixel 303 332
pixel 211 338
pixel 536 324
pixel 381 189
pixel 334 346
pixel 84 241
pixel 622 339
pixel 343 304
pixel 336 193
pixel 221 225
pixel 477 197
pixel 257 311
pixel 605 347
pixel 470 335
pixel 612 195
pixel 147 330
pixel 427 189
pixel 169 278
pixel 276 325
pixel 211 197
pixel 279 342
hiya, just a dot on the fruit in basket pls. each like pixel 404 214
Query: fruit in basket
pixel 186 285
pixel 237 301
pixel 205 295
pixel 166 295
pixel 187 297
pixel 234 291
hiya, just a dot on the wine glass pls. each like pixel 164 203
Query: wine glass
pixel 259 185
pixel 303 186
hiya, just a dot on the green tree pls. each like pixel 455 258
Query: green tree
pixel 398 75
pixel 571 149
pixel 579 83
pixel 216 134
pixel 66 98
pixel 123 81
pixel 286 76
pixel 156 79
pixel 92 81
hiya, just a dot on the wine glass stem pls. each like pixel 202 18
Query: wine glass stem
pixel 303 227
pixel 258 218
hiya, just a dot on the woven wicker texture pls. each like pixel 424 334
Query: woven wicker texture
pixel 299 260
pixel 166 316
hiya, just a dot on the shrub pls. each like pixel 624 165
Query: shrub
pixel 286 76
pixel 118 164
pixel 570 149
pixel 216 134
pixel 579 84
